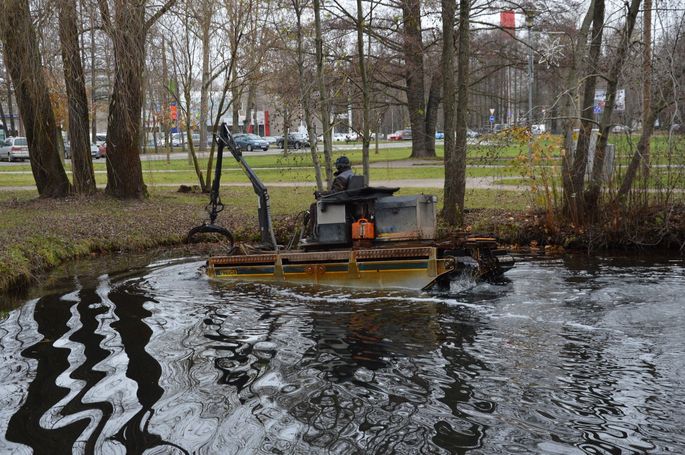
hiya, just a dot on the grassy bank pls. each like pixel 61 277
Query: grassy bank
pixel 38 234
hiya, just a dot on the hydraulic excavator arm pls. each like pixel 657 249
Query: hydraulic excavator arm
pixel 224 139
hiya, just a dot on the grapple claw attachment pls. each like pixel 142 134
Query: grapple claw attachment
pixel 210 229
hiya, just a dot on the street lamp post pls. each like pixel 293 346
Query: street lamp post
pixel 530 15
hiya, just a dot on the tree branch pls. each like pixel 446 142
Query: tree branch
pixel 160 12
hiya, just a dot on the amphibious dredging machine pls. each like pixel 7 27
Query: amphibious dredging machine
pixel 362 237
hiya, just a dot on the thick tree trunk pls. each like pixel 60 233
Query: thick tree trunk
pixel 449 211
pixel 22 58
pixel 412 47
pixel 456 166
pixel 124 171
pixel 324 102
pixel 595 185
pixel 82 164
pixel 576 206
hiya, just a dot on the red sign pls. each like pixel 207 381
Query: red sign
pixel 173 113
pixel 507 20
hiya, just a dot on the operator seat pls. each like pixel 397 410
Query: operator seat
pixel 355 182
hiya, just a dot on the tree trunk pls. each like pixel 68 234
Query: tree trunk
pixel 449 211
pixel 236 95
pixel 569 110
pixel 434 98
pixel 324 102
pixel 4 121
pixel 250 105
pixel 93 102
pixel 639 155
pixel 412 47
pixel 165 113
pixel 456 166
pixel 575 196
pixel 306 100
pixel 10 109
pixel 595 185
pixel 366 95
pixel 205 23
pixel 22 57
pixel 189 136
pixel 124 171
pixel 82 163
pixel 647 84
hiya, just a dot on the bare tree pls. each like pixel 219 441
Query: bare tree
pixel 366 92
pixel 127 28
pixel 569 111
pixel 324 99
pixel 455 162
pixel 305 93
pixel 595 185
pixel 82 165
pixel 23 60
pixel 413 53
pixel 574 194
pixel 450 199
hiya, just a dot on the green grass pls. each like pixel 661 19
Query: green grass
pixel 37 234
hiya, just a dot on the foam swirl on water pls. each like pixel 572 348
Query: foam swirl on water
pixel 572 354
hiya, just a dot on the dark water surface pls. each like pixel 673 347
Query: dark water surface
pixel 573 355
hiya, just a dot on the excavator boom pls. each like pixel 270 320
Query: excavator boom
pixel 225 140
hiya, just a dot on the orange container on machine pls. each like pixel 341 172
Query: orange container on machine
pixel 363 229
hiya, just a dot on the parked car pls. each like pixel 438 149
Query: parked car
pixel 249 142
pixel 180 139
pixel 295 140
pixel 620 129
pixel 538 129
pixel 94 150
pixel 439 135
pixel 14 148
pixel 501 127
pixel 337 137
pixel 271 140
pixel 471 133
pixel 400 135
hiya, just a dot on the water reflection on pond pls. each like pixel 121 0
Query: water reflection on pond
pixel 573 354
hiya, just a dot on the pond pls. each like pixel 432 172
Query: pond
pixel 573 354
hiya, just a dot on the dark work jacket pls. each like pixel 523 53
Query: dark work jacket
pixel 342 180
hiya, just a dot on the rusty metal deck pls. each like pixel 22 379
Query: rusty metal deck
pixel 413 268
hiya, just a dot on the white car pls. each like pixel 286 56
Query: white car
pixel 181 139
pixel 14 148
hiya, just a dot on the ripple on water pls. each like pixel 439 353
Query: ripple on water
pixel 571 355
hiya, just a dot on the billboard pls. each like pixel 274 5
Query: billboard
pixel 600 101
